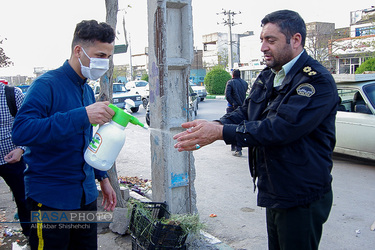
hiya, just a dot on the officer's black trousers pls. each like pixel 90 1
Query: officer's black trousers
pixel 298 228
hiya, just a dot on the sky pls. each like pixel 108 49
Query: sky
pixel 38 33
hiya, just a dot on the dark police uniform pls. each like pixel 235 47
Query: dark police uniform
pixel 290 132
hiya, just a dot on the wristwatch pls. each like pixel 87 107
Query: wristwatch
pixel 103 177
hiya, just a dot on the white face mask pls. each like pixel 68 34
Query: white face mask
pixel 98 66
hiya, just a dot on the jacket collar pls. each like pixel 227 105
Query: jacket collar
pixel 73 76
pixel 298 65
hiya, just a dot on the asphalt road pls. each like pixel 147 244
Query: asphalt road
pixel 224 187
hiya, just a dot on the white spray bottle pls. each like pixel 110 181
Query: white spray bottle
pixel 109 140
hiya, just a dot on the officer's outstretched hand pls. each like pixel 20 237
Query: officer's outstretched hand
pixel 198 133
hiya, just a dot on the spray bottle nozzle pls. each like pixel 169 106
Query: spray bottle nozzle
pixel 122 117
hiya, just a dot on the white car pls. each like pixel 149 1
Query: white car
pixel 120 95
pixel 200 90
pixel 355 119
pixel 139 87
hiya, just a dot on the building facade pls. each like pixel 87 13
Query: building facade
pixel 197 71
pixel 216 49
pixel 341 50
pixel 350 52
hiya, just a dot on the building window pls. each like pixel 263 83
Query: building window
pixel 365 31
pixel 348 65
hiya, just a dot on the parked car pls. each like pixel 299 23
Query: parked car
pixel 193 106
pixel 120 94
pixel 148 114
pixel 140 87
pixel 193 103
pixel 355 120
pixel 200 90
pixel 24 88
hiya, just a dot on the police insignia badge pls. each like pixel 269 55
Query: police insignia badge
pixel 308 70
pixel 258 81
pixel 305 89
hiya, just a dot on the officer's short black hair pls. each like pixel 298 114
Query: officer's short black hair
pixel 290 23
pixel 91 31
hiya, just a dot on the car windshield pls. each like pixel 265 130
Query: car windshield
pixel 119 88
pixel 370 93
pixel 141 84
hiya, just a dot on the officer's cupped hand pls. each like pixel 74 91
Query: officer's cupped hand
pixel 198 133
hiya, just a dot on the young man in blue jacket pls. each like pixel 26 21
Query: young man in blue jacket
pixel 55 124
pixel 288 124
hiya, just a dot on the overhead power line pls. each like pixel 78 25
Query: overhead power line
pixel 228 20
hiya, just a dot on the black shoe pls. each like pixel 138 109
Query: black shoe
pixel 237 153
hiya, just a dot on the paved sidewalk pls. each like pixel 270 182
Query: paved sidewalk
pixel 11 237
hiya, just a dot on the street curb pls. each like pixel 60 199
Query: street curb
pixel 215 97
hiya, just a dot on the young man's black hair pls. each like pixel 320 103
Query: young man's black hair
pixel 91 31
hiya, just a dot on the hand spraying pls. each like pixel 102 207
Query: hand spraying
pixel 109 140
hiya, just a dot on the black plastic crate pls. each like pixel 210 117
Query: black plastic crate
pixel 149 233
pixel 137 246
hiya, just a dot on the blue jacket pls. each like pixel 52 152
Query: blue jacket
pixel 53 123
pixel 290 132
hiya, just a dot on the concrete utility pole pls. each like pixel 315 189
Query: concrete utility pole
pixel 229 21
pixel 170 56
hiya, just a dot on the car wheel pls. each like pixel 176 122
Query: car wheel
pixel 148 119
pixel 135 109
pixel 145 102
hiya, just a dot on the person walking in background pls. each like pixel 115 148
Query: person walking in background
pixel 288 124
pixel 235 93
pixel 12 164
pixel 54 123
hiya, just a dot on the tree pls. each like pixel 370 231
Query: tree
pixel 144 77
pixel 216 80
pixel 4 60
pixel 106 84
pixel 222 57
pixel 368 65
pixel 119 70
pixel 318 45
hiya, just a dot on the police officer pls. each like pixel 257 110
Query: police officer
pixel 288 124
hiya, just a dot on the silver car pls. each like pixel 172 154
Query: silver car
pixel 355 120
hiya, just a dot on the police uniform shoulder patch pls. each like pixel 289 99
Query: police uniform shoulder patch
pixel 309 71
pixel 258 81
pixel 305 89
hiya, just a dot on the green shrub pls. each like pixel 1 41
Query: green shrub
pixel 368 65
pixel 144 77
pixel 216 80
